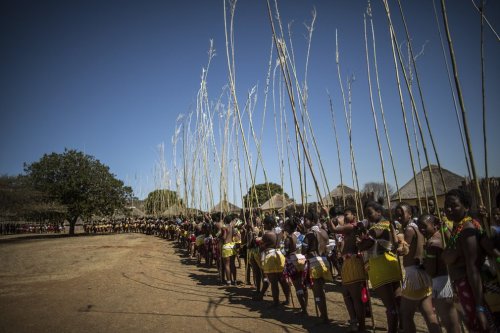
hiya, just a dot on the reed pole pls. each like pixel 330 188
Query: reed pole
pixel 375 123
pixel 485 222
pixel 303 97
pixel 486 20
pixel 231 69
pixel 332 112
pixel 286 74
pixel 386 131
pixel 455 106
pixel 413 104
pixel 403 110
pixel 424 109
pixel 356 193
pixel 483 100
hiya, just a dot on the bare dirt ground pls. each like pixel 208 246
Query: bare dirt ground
pixel 137 283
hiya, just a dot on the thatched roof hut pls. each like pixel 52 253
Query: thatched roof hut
pixel 335 196
pixel 136 212
pixel 225 207
pixel 277 201
pixel 409 192
pixel 174 210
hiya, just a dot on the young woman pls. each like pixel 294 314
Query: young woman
pixel 417 284
pixel 384 271
pixel 442 291
pixel 353 270
pixel 464 256
pixel 317 269
pixel 295 261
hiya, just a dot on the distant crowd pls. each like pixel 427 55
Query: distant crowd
pixel 12 228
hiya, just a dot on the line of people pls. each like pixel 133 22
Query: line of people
pixel 12 228
pixel 442 267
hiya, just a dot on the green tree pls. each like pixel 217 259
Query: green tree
pixel 20 201
pixel 262 193
pixel 159 200
pixel 80 182
pixel 377 189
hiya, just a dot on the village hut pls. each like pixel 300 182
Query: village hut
pixel 276 202
pixel 225 207
pixel 174 210
pixel 334 198
pixel 409 192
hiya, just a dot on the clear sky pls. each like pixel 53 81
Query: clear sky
pixel 111 77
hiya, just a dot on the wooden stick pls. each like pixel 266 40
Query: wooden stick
pixel 338 148
pixel 483 100
pixel 412 99
pixel 386 131
pixel 462 104
pixel 359 208
pixel 286 74
pixel 401 101
pixel 424 109
pixel 486 20
pixel 455 106
pixel 233 89
pixel 303 97
pixel 372 106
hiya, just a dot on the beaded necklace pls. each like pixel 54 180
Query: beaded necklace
pixel 457 230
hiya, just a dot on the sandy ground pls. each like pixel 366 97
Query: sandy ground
pixel 137 283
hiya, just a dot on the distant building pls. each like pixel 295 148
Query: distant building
pixel 276 202
pixel 423 179
pixel 334 198
pixel 225 207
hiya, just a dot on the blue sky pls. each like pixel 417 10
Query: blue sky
pixel 111 77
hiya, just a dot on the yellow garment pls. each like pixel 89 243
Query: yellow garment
pixel 228 250
pixel 254 254
pixel 447 223
pixel 383 269
pixel 493 301
pixel 273 261
pixel 200 240
pixel 320 268
pixel 353 270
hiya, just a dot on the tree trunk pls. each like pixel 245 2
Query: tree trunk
pixel 72 223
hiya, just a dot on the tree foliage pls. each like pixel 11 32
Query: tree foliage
pixel 378 190
pixel 20 201
pixel 80 182
pixel 261 193
pixel 160 200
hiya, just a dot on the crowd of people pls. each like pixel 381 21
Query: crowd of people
pixel 12 228
pixel 440 264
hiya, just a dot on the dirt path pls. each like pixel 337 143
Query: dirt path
pixel 136 283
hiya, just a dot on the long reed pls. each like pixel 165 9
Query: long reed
pixel 462 106
pixel 483 102
pixel 403 110
pixel 286 73
pixel 372 107
pixel 381 104
pixel 424 109
pixel 303 97
pixel 332 112
pixel 483 17
pixel 232 85
pixel 357 201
